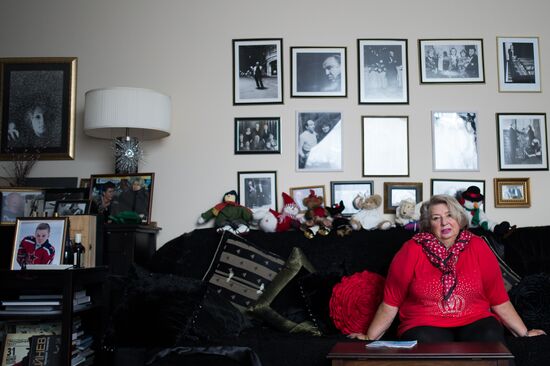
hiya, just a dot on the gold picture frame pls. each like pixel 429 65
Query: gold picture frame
pixel 512 192
pixel 299 193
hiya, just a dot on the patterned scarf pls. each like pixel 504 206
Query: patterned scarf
pixel 444 259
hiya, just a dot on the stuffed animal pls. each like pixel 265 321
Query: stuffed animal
pixel 368 217
pixel 287 219
pixel 316 218
pixel 229 215
pixel 339 222
pixel 471 199
pixel 407 214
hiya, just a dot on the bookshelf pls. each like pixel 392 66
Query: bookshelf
pixel 65 282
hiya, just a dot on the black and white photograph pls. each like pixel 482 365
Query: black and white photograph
pixel 258 135
pixel 522 142
pixel 38 241
pixel 395 192
pixel 54 195
pixel 72 207
pixel 455 141
pixel 20 202
pixel 512 192
pixel 455 187
pixel 346 191
pixel 518 64
pixel 318 72
pixel 385 142
pixel 299 193
pixel 383 71
pixel 451 61
pixel 319 141
pixel 38 107
pixel 258 189
pixel 257 71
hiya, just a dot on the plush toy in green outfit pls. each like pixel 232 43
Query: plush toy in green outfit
pixel 229 215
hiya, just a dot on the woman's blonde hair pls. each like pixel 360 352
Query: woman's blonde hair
pixel 455 209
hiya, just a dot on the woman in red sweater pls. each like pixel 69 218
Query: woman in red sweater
pixel 446 284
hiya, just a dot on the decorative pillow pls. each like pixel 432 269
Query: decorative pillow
pixel 281 305
pixel 355 300
pixel 531 298
pixel 510 277
pixel 240 271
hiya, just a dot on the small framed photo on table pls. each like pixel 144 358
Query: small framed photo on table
pixel 20 202
pixel 451 61
pixel 258 189
pixel 38 241
pixel 318 71
pixel 299 193
pixel 512 192
pixel 72 207
pixel 518 64
pixel 395 192
pixel 258 135
pixel 347 191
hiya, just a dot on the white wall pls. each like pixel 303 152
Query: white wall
pixel 183 48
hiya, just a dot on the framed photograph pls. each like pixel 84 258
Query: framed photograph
pixel 84 183
pixel 258 71
pixel 299 193
pixel 518 64
pixel 116 193
pixel 318 71
pixel 54 195
pixel 258 135
pixel 258 189
pixel 451 61
pixel 319 141
pixel 72 207
pixel 38 241
pixel 454 187
pixel 347 191
pixel 395 192
pixel 20 202
pixel 522 141
pixel 387 137
pixel 38 108
pixel 454 141
pixel 512 192
pixel 383 71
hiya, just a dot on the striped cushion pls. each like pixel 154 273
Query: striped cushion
pixel 240 271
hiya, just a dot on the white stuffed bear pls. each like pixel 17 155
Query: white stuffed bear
pixel 368 217
pixel 407 214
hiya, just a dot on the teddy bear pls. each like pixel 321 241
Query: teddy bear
pixel 368 217
pixel 273 221
pixel 472 199
pixel 340 223
pixel 407 214
pixel 316 218
pixel 229 215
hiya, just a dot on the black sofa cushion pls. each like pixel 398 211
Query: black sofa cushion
pixel 531 299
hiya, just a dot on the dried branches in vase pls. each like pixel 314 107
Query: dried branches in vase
pixel 19 167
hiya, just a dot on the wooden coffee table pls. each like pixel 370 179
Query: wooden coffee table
pixel 440 354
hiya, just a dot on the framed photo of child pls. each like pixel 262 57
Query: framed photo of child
pixel 38 241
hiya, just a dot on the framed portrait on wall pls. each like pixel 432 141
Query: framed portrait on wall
pixel 258 135
pixel 387 137
pixel 346 191
pixel 395 192
pixel 258 189
pixel 518 64
pixel 454 141
pixel 512 192
pixel 318 71
pixel 319 141
pixel 522 141
pixel 258 71
pixel 454 187
pixel 37 108
pixel 299 193
pixel 451 60
pixel 383 71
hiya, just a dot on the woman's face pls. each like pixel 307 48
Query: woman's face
pixel 37 121
pixel 443 225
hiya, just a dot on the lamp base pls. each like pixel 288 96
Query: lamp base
pixel 128 153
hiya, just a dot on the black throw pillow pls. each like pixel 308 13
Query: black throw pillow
pixel 531 298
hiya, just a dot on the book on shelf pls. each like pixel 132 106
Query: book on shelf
pixel 35 327
pixel 25 303
pixel 48 266
pixel 78 294
pixel 82 300
pixel 16 347
pixel 40 297
pixel 45 350
pixel 30 309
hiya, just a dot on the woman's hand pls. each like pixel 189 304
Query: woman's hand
pixel 535 332
pixel 360 336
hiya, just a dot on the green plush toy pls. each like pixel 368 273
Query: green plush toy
pixel 229 215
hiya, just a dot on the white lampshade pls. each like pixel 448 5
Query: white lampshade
pixel 121 111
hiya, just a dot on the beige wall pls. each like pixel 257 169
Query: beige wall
pixel 183 48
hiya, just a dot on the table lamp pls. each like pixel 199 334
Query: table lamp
pixel 122 114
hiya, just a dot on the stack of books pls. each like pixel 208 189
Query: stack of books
pixel 81 300
pixel 82 353
pixel 32 305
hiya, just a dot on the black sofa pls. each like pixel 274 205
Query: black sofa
pixel 176 326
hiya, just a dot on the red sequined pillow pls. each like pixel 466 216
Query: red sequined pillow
pixel 355 300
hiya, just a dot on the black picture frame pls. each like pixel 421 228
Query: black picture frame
pixel 38 108
pixel 258 189
pixel 258 87
pixel 346 191
pixel 257 135
pixel 72 207
pixel 53 195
